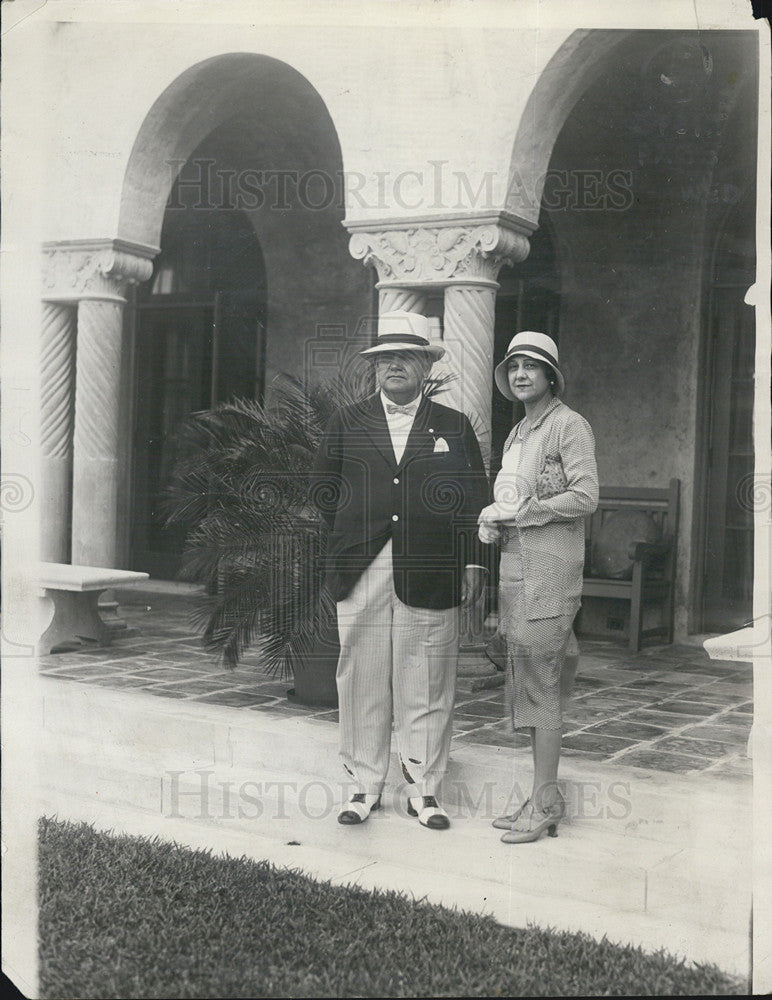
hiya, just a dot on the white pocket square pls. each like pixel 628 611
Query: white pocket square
pixel 440 444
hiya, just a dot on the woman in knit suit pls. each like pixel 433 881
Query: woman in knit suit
pixel 547 485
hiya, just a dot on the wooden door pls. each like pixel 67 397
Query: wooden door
pixel 190 356
pixel 174 364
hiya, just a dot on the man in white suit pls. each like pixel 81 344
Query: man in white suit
pixel 403 556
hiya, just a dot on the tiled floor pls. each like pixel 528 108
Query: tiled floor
pixel 669 708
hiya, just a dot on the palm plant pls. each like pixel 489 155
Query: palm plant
pixel 240 487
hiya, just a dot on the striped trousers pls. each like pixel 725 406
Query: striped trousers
pixel 396 662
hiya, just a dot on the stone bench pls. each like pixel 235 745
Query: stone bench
pixel 75 591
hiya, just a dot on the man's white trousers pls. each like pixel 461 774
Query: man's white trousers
pixel 395 661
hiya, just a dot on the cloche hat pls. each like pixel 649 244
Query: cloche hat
pixel 404 331
pixel 533 345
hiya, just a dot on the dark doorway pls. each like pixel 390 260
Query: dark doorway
pixel 528 299
pixel 200 340
pixel 727 596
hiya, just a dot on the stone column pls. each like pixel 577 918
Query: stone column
pixel 57 371
pixel 468 340
pixel 463 257
pixel 393 297
pixel 95 465
pixel 95 276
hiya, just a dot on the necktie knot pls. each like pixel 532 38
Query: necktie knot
pixel 395 408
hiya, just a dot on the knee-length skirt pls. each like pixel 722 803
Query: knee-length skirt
pixel 537 654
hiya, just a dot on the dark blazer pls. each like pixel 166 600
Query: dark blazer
pixel 428 503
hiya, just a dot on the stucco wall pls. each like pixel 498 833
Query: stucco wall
pixel 406 108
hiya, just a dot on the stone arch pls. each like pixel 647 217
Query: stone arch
pixel 202 98
pixel 239 135
pixel 275 148
pixel 570 71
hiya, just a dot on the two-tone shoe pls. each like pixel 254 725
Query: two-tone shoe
pixel 358 808
pixel 429 812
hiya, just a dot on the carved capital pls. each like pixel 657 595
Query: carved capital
pixel 98 269
pixel 439 253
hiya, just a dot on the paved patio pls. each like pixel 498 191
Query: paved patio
pixel 151 738
pixel 667 708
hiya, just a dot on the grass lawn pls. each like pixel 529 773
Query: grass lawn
pixel 129 917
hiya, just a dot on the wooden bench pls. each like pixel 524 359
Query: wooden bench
pixel 75 592
pixel 649 575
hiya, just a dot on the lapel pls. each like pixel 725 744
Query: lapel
pixel 376 428
pixel 374 423
pixel 419 439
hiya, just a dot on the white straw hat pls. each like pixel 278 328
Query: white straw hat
pixel 404 331
pixel 533 345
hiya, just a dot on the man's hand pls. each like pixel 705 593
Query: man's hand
pixel 472 586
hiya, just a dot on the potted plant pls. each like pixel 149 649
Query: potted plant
pixel 240 487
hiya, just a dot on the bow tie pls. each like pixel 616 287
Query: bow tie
pixel 407 410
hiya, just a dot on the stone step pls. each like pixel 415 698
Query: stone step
pixel 588 861
pixel 277 780
pixel 633 803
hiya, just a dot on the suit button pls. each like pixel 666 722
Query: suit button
pixel 396 482
pixel 395 517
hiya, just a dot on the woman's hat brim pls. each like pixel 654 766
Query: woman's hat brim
pixel 501 376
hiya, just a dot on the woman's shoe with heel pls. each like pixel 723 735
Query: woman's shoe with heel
pixel 507 822
pixel 533 823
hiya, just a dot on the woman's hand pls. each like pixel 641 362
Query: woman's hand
pixel 489 515
pixel 489 533
pixel 489 530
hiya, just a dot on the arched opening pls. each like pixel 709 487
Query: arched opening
pixel 237 174
pixel 528 299
pixel 577 64
pixel 200 340
pixel 645 152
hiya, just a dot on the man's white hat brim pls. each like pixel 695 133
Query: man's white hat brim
pixel 435 351
pixel 402 330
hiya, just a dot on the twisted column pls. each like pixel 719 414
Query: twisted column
pixel 463 255
pixel 89 276
pixel 57 367
pixel 468 340
pixel 95 469
pixel 393 297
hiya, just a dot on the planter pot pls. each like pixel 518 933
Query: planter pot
pixel 315 677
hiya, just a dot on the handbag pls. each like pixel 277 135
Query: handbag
pixel 552 479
